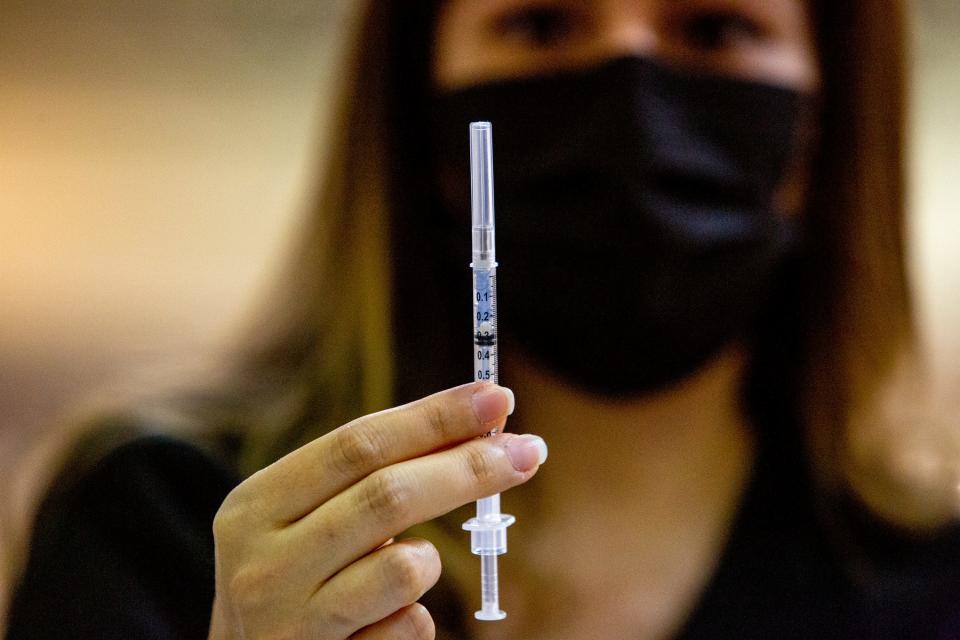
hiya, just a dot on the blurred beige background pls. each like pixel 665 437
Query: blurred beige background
pixel 154 157
pixel 935 177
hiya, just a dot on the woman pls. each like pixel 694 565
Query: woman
pixel 703 307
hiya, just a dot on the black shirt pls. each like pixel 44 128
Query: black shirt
pixel 122 548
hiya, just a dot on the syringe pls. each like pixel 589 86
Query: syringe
pixel 488 531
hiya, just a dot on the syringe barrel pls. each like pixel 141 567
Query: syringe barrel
pixel 488 532
pixel 489 507
pixel 481 191
pixel 489 542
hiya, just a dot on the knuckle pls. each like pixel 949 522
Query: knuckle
pixel 336 617
pixel 432 564
pixel 252 586
pixel 437 418
pixel 229 517
pixel 420 624
pixel 387 496
pixel 406 572
pixel 358 446
pixel 222 526
pixel 480 464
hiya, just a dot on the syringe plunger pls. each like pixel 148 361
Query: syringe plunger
pixel 488 539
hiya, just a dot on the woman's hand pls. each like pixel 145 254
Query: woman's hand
pixel 303 547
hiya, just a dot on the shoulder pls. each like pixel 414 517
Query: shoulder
pixel 132 481
pixel 800 562
pixel 122 543
pixel 907 583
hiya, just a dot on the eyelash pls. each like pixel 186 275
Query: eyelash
pixel 543 26
pixel 720 30
pixel 550 25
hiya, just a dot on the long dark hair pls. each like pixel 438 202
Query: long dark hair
pixel 362 322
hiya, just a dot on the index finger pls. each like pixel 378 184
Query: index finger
pixel 304 479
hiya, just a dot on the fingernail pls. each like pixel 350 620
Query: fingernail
pixel 526 452
pixel 511 400
pixel 492 403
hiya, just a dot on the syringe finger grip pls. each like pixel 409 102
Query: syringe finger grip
pixel 489 537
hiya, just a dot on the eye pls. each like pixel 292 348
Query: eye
pixel 721 30
pixel 541 26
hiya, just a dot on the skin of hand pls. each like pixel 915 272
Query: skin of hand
pixel 304 547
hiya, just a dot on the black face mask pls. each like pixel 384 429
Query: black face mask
pixel 635 228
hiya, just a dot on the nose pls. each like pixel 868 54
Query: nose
pixel 624 28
